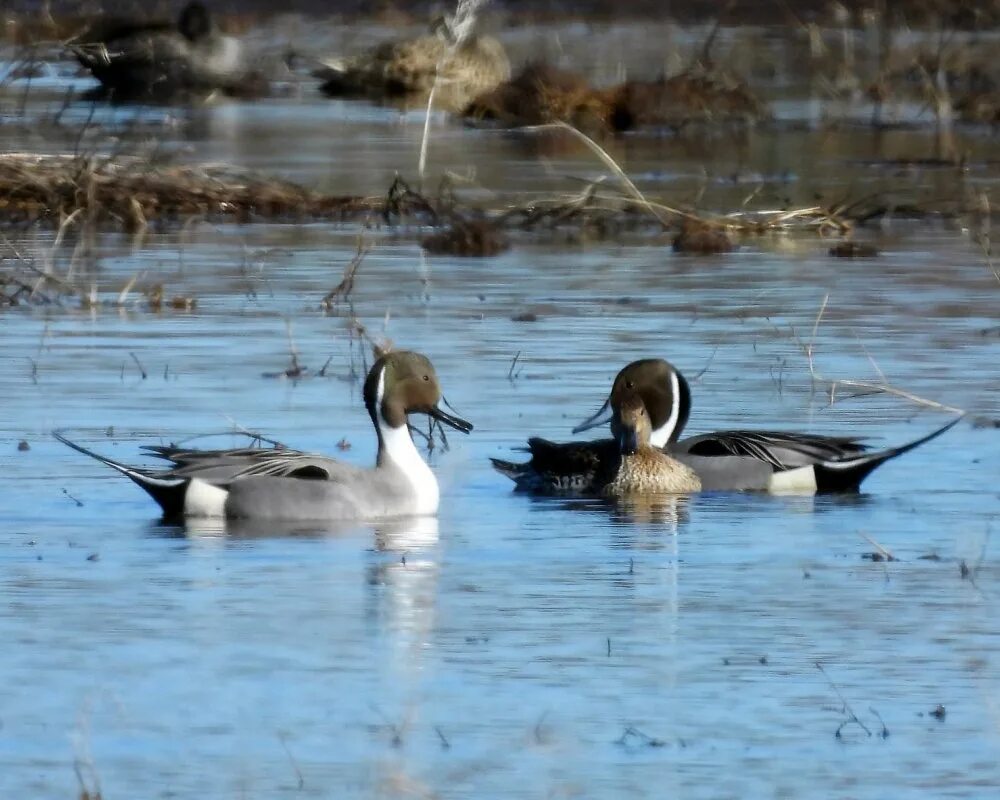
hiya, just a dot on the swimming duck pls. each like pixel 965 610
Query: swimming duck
pixel 464 63
pixel 733 460
pixel 284 484
pixel 640 468
pixel 163 61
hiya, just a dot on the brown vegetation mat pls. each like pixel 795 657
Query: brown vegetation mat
pixel 28 22
pixel 467 237
pixel 682 99
pixel 539 94
pixel 542 94
pixel 131 193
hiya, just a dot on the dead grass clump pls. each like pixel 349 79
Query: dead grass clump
pixel 15 290
pixel 157 300
pixel 403 203
pixel 467 237
pixel 539 94
pixel 701 238
pixel 680 100
pixel 542 94
pixel 131 192
pixel 852 249
pixel 979 107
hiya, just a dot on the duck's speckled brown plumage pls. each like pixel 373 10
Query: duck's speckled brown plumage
pixel 640 468
pixel 649 471
pixel 625 466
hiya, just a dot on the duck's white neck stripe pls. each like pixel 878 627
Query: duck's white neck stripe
pixel 380 392
pixel 398 447
pixel 662 434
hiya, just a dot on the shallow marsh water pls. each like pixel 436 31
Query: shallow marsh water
pixel 514 646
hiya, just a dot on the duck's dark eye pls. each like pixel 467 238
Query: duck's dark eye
pixel 427 377
pixel 629 385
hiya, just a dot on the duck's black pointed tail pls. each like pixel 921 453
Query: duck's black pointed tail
pixel 847 474
pixel 511 469
pixel 168 492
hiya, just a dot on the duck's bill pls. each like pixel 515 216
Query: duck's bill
pixel 602 417
pixel 450 420
pixel 628 441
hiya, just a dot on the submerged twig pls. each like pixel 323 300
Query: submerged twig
pixel 291 759
pixel 342 291
pixel 846 709
pixel 871 387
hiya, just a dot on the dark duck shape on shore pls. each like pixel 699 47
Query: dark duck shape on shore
pixel 731 460
pixel 462 62
pixel 158 61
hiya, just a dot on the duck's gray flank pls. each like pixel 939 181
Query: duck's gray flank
pixel 284 484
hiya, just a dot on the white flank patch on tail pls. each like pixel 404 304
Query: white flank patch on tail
pixel 793 481
pixel 204 500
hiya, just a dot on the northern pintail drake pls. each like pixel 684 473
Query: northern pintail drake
pixel 160 61
pixel 733 460
pixel 283 484
pixel 463 62
pixel 638 468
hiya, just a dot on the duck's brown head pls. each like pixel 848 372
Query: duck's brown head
pixel 402 382
pixel 630 423
pixel 663 392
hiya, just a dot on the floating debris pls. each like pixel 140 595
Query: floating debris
pixel 156 301
pixel 702 238
pixel 876 556
pixel 478 238
pixel 680 100
pixel 852 249
pixel 979 107
pixel 539 94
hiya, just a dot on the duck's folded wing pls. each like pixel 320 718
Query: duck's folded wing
pixel 225 466
pixel 782 450
pixel 559 467
pixel 569 458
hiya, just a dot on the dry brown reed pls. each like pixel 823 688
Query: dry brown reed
pixel 131 193
pixel 342 291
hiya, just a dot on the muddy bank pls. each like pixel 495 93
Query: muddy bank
pixel 956 13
